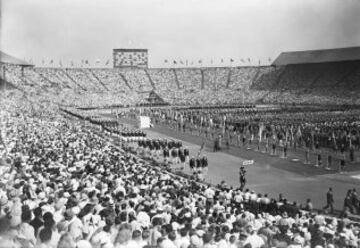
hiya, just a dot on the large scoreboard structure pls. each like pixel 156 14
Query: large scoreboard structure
pixel 130 58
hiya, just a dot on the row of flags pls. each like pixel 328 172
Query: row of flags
pixel 86 62
pixel 212 61
pixel 72 63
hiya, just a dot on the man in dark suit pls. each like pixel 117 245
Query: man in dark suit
pixel 329 201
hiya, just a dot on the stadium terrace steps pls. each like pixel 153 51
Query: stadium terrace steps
pixel 125 80
pixel 320 83
pixel 137 78
pixel 37 82
pixel 98 79
pixel 44 78
pixel 150 79
pixel 258 74
pixel 73 80
pixel 202 79
pixel 92 80
pixel 62 79
pixel 228 79
pixel 6 85
pixel 165 83
pixel 43 81
pixel 268 79
pixel 176 78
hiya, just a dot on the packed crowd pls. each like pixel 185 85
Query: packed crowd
pixel 338 80
pixel 65 186
pixel 88 87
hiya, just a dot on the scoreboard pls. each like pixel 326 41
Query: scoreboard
pixel 130 58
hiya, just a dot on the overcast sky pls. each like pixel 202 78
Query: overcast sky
pixel 183 29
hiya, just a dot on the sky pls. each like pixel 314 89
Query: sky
pixel 180 30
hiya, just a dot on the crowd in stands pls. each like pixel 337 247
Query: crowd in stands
pixel 85 87
pixel 337 80
pixel 65 186
pixel 138 79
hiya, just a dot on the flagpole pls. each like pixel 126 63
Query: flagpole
pixel 4 77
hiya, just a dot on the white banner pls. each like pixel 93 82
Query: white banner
pixel 248 162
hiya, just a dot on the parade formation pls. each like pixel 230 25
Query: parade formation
pixel 215 124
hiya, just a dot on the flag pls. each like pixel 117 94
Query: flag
pixel 231 60
pixel 224 124
pixel 312 139
pixel 350 141
pixel 261 128
pixel 166 61
pixel 86 62
pixel 201 148
pixel 175 62
pixel 298 133
pixel 287 134
pixel 292 133
pixel 334 138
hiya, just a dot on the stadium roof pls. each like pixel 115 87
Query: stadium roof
pixel 130 50
pixel 8 59
pixel 318 56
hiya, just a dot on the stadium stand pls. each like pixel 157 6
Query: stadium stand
pixel 138 79
pixel 189 79
pixel 295 77
pixel 64 184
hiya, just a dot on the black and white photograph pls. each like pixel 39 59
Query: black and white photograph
pixel 179 123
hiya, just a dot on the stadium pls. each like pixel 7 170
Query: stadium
pixel 126 154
